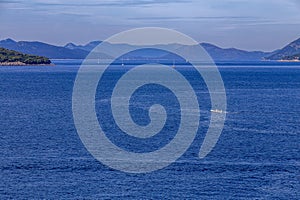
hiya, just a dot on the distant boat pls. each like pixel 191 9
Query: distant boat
pixel 217 111
pixel 122 63
pixel 173 64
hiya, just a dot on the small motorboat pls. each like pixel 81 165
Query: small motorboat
pixel 217 111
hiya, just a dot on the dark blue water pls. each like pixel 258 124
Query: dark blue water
pixel 257 156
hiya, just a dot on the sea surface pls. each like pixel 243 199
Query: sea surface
pixel 256 157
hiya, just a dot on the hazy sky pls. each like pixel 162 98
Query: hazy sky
pixel 245 24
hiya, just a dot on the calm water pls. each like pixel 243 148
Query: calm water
pixel 257 156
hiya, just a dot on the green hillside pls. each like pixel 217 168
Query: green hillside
pixel 10 56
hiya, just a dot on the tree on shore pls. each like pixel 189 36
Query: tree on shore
pixel 7 55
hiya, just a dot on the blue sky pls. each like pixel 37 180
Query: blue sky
pixel 246 24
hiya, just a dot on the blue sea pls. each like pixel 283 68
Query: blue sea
pixel 256 157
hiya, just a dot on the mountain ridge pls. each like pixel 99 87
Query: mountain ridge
pixel 73 51
pixel 287 52
pixel 42 49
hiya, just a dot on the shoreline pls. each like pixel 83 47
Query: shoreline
pixel 22 64
pixel 295 60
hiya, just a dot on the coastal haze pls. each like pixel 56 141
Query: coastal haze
pixel 222 126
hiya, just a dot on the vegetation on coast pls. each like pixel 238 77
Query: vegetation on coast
pixel 10 57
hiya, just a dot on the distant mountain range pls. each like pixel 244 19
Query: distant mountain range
pixel 43 49
pixel 73 51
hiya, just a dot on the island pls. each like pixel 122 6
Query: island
pixel 14 58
